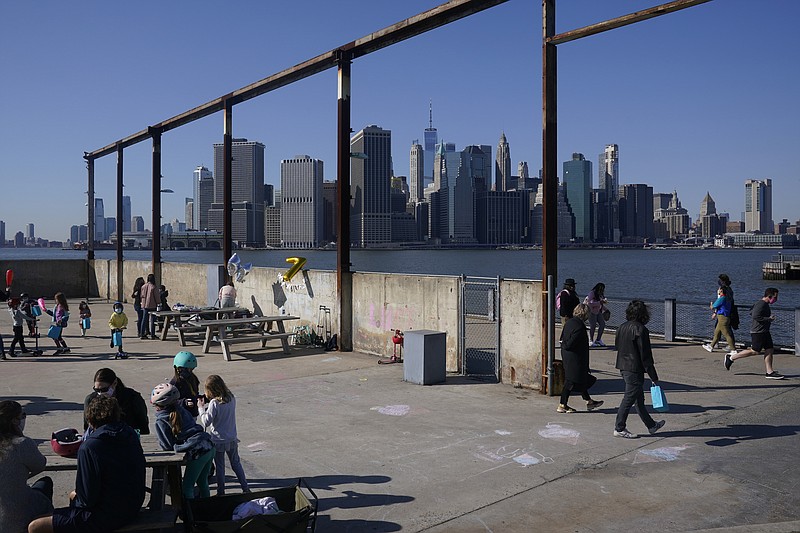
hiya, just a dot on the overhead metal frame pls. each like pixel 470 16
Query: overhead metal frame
pixel 550 150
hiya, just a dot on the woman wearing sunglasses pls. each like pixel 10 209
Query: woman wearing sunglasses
pixel 134 408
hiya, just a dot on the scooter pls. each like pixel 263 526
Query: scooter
pixel 397 345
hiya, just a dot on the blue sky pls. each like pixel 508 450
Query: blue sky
pixel 699 100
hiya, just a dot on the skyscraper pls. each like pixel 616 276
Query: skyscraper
pixel 99 220
pixel 2 234
pixel 707 206
pixel 758 206
pixel 416 173
pixel 202 196
pixel 370 207
pixel 247 191
pixel 126 213
pixel 431 139
pixel 578 185
pixel 30 232
pixel 608 174
pixel 502 171
pixel 302 208
pixel 636 213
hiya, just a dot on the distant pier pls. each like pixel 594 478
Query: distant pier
pixel 782 267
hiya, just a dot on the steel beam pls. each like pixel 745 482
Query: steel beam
pixel 624 20
pixel 120 227
pixel 90 205
pixel 155 133
pixel 344 277
pixel 549 181
pixel 406 29
pixel 227 180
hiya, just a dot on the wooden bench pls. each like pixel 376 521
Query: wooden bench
pixel 263 338
pixel 152 520
pixel 183 329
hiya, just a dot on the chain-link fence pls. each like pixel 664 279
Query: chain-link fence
pixel 480 327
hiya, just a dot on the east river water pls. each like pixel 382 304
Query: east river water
pixel 688 275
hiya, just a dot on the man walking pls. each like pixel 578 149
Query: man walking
pixel 760 335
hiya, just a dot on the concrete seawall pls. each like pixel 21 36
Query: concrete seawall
pixel 381 302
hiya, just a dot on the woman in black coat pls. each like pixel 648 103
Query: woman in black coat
pixel 575 356
pixel 134 410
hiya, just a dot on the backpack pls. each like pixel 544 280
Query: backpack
pixel 734 318
pixel 558 298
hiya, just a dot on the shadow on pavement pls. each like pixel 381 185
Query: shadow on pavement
pixel 40 405
pixel 727 436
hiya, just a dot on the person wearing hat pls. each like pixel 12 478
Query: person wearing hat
pixel 566 301
pixel 185 381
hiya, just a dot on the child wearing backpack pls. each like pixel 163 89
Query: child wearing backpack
pixel 218 416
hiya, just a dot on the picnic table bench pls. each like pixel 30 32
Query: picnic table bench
pixel 171 316
pixel 227 331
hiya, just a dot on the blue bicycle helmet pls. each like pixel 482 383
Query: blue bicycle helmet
pixel 185 359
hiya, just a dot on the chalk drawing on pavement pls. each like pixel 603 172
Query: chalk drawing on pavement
pixel 559 433
pixel 331 359
pixel 659 455
pixel 392 410
pixel 522 456
pixel 502 432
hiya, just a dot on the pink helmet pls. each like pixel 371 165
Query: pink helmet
pixel 65 442
pixel 164 395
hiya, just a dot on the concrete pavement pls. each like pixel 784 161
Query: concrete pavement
pixel 385 455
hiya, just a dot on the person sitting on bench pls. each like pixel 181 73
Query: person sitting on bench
pixel 110 482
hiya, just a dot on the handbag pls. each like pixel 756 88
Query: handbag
pixel 54 332
pixel 659 399
pixel 606 313
pixel 116 338
pixel 86 323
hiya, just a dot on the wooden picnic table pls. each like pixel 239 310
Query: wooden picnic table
pixel 217 331
pixel 177 317
pixel 166 467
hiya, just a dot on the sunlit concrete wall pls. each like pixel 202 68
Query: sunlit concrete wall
pixel 381 303
pixel 520 333
pixel 385 302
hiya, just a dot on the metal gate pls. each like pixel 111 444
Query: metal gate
pixel 480 327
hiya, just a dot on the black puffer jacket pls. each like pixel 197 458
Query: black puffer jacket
pixel 634 353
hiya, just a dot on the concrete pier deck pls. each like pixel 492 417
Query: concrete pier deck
pixel 385 455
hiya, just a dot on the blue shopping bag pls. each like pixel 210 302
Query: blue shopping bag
pixel 86 323
pixel 116 338
pixel 659 399
pixel 36 310
pixel 54 332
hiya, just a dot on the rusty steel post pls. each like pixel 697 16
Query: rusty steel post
pixel 90 210
pixel 344 277
pixel 120 189
pixel 227 193
pixel 156 135
pixel 549 179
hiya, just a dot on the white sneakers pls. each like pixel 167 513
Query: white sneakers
pixel 708 348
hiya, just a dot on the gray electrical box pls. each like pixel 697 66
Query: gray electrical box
pixel 424 357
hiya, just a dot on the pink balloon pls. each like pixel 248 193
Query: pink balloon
pixel 41 304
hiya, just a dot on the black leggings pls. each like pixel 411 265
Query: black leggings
pixel 582 388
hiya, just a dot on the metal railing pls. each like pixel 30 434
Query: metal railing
pixel 693 322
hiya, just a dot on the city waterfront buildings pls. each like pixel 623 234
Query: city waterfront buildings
pixel 502 173
pixel 578 185
pixel 370 184
pixel 302 203
pixel 247 192
pixel 202 197
pixel 758 206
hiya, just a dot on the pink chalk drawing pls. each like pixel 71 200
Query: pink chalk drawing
pixel 659 455
pixel 561 434
pixel 392 410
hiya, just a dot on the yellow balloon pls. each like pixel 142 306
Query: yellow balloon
pixel 297 264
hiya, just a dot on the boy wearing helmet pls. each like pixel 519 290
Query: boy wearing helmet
pixel 117 323
pixel 185 381
pixel 110 481
pixel 177 430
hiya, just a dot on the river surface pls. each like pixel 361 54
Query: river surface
pixel 687 275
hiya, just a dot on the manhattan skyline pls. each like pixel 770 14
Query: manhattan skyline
pixel 694 99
